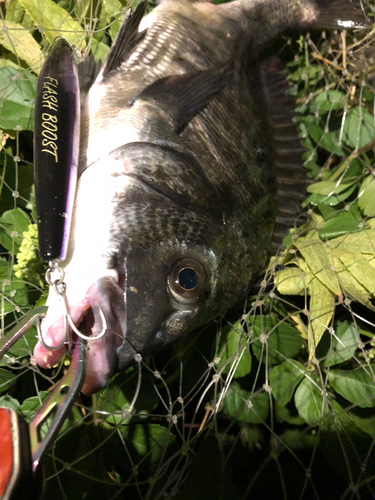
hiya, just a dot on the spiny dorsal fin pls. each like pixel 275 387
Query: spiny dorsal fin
pixel 127 38
pixel 184 96
pixel 290 174
pixel 88 70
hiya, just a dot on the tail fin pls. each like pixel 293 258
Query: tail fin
pixel 340 14
pixel 266 20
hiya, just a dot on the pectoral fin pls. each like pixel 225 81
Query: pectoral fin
pixel 184 96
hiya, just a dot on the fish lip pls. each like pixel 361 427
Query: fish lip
pixel 104 296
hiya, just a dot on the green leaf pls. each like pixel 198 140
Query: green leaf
pixel 5 269
pixel 326 140
pixel 350 167
pixel 283 415
pixel 291 281
pixel 366 197
pixel 7 378
pixel 343 224
pixel 327 188
pixel 116 398
pixel 111 10
pixel 358 128
pixel 342 346
pixel 115 404
pixel 12 224
pixel 330 99
pixel 14 11
pixel 312 74
pixel 360 269
pixel 357 386
pixel 8 63
pixel 284 378
pixel 333 200
pixel 279 339
pixel 152 440
pixel 245 407
pixel 309 402
pixel 22 348
pixel 321 308
pixel 54 21
pixel 312 167
pixel 9 402
pixel 17 86
pixel 22 44
pixel 363 242
pixel 20 176
pixel 17 99
pixel 99 50
pixel 355 290
pixel 343 418
pixel 31 405
pixel 234 347
pixel 15 292
pixel 315 254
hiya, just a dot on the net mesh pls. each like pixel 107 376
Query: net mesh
pixel 276 399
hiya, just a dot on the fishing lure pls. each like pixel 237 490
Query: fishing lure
pixel 56 149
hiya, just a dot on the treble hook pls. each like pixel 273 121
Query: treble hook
pixel 86 337
pixel 43 343
pixel 59 286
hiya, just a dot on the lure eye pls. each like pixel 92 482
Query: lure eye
pixel 186 280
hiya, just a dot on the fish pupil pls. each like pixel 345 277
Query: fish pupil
pixel 188 278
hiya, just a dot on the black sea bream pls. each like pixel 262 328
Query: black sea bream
pixel 189 173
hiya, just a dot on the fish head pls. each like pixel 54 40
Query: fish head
pixel 150 261
pixel 168 291
pixel 166 243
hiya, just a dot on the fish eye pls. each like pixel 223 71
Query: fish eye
pixel 186 280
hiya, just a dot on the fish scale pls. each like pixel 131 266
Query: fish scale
pixel 193 163
pixel 156 46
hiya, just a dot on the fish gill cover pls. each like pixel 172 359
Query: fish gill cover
pixel 276 399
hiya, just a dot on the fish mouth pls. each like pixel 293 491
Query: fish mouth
pixel 102 310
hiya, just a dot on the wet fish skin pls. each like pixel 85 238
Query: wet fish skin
pixel 180 174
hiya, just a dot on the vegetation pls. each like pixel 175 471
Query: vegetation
pixel 275 400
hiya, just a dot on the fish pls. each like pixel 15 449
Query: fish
pixel 189 175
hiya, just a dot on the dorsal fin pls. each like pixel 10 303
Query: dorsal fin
pixel 184 96
pixel 88 70
pixel 126 39
pixel 290 174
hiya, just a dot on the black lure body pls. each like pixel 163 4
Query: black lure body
pixel 56 147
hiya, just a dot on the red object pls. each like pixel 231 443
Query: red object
pixel 7 465
pixel 16 479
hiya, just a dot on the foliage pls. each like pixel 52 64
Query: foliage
pixel 286 390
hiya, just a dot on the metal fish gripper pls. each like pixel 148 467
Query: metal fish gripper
pixel 22 445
